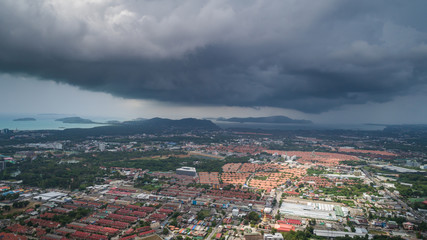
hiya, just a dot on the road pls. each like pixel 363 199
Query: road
pixel 393 196
pixel 215 229
pixel 249 179
pixel 278 198
pixel 209 237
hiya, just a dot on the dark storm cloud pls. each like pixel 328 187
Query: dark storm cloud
pixel 311 56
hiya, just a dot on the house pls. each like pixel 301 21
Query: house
pixel 408 226
pixel 361 221
pixel 392 225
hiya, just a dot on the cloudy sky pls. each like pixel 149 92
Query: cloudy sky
pixel 327 61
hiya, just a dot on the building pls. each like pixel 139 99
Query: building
pixel 276 236
pixel 2 165
pixel 253 236
pixel 408 226
pixel 290 221
pixel 49 196
pixel 189 171
pixel 283 227
pixel 101 147
pixel 268 210
pixel 412 163
pixel 5 131
pixel 392 225
pixel 311 210
pixel 334 234
pixel 235 212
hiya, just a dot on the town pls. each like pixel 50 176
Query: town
pixel 213 120
pixel 225 185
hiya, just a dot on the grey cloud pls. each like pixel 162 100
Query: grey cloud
pixel 311 56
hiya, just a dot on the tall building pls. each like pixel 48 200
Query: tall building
pixel 412 163
pixel 5 131
pixel 2 164
pixel 101 147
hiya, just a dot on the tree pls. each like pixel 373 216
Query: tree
pixel 165 231
pixel 20 204
pixel 174 222
pixel 203 214
pixel 253 216
pixel 274 202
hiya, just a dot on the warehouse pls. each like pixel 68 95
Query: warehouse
pixel 49 196
pixel 309 210
pixel 334 234
pixel 189 171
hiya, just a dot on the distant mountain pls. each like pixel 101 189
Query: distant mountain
pixel 74 120
pixel 149 126
pixel 169 124
pixel 272 119
pixel 24 119
pixel 419 129
pixel 49 114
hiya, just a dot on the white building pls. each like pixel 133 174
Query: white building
pixel 235 212
pixel 101 147
pixel 276 236
pixel 49 196
pixel 334 234
pixel 309 210
pixel 267 210
pixel 189 171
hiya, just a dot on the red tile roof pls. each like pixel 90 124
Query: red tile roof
pixel 147 232
pixel 11 236
pixel 285 228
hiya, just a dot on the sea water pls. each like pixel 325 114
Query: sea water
pixel 45 122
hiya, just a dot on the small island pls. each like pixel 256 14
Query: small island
pixel 74 120
pixel 24 119
pixel 113 122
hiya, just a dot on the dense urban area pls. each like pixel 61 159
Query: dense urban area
pixel 231 184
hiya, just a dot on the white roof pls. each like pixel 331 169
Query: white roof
pixel 187 168
pixel 53 194
pixel 50 195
